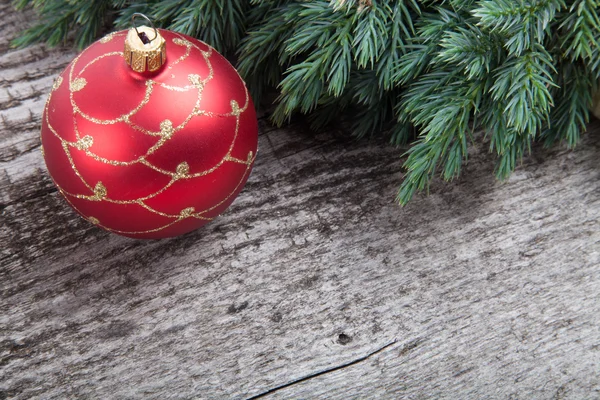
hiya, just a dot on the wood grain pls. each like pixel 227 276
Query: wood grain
pixel 481 290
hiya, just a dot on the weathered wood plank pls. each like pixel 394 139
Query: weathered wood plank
pixel 489 289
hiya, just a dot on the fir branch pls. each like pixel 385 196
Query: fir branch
pixel 516 146
pixel 326 68
pixel 329 110
pixel 365 88
pixel 580 31
pixel 127 9
pixel 441 104
pixel 573 102
pixel 59 19
pixel 400 31
pixel 370 37
pixel 522 83
pixel 470 49
pixel 421 48
pixel 373 118
pixel 519 70
pixel 524 23
pixel 221 24
pixel 259 52
pixel 300 89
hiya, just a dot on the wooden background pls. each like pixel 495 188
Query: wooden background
pixel 481 290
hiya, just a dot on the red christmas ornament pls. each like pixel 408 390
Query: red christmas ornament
pixel 153 141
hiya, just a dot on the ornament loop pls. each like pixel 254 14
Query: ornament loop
pixel 142 35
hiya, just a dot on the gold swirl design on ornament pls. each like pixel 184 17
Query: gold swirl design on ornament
pixel 196 83
pixel 57 83
pixel 111 54
pixel 149 85
pixel 181 42
pixel 111 36
pixel 227 156
pixel 97 222
pixel 104 195
pixel 185 213
pixel 83 143
pixel 72 163
pixel 250 160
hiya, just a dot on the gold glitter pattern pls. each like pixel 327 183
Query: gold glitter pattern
pixel 181 42
pixel 166 129
pixel 78 84
pixel 57 83
pixel 98 192
pixel 109 37
pixel 84 143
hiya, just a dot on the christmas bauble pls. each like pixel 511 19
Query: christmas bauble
pixel 149 137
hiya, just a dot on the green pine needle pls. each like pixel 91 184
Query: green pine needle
pixel 431 71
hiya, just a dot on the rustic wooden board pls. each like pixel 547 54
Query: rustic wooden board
pixel 482 289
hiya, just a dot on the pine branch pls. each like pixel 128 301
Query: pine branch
pixel 421 48
pixel 524 23
pixel 126 11
pixel 434 71
pixel 580 33
pixel 471 50
pixel 84 19
pixel 441 104
pixel 260 51
pixel 522 83
pixel 574 100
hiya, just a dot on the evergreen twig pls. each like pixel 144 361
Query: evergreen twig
pixel 520 70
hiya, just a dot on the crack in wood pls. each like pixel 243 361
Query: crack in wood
pixel 404 350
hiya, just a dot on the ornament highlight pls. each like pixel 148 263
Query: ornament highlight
pixel 149 137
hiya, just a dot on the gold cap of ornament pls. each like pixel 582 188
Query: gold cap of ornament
pixel 145 48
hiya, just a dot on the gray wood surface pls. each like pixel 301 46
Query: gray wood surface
pixel 481 290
